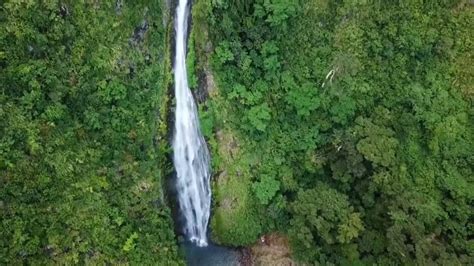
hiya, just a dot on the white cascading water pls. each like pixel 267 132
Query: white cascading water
pixel 191 156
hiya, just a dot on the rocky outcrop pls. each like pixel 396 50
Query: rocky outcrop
pixel 271 250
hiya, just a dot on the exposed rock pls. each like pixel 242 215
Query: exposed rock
pixel 210 83
pixel 222 176
pixel 131 71
pixel 272 250
pixel 166 12
pixel 139 33
pixel 64 11
pixel 228 146
pixel 227 204
pixel 206 85
pixel 245 257
pixel 200 93
pixel 118 6
pixel 157 203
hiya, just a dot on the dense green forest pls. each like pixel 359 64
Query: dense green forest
pixel 82 133
pixel 346 125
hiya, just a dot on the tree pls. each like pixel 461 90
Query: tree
pixel 322 217
pixel 265 189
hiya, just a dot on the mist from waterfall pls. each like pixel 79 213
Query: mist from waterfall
pixel 191 156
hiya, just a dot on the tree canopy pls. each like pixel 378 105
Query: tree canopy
pixel 357 119
pixel 82 133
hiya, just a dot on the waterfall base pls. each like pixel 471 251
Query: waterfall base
pixel 210 255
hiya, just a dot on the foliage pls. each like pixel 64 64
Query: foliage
pixel 235 222
pixel 82 151
pixel 258 116
pixel 266 189
pixel 191 63
pixel 323 216
pixel 361 112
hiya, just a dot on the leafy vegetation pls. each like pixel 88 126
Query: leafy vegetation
pixel 345 125
pixel 351 126
pixel 83 133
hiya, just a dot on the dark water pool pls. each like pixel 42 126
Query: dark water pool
pixel 211 255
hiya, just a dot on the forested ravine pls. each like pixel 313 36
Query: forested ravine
pixel 339 132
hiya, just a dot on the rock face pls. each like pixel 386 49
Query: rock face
pixel 139 33
pixel 118 7
pixel 206 85
pixel 271 250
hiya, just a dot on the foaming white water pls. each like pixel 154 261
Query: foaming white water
pixel 191 156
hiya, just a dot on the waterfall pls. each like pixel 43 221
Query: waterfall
pixel 191 156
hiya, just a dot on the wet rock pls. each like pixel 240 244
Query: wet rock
pixel 201 92
pixel 118 7
pixel 131 71
pixel 139 33
pixel 228 145
pixel 157 203
pixel 166 13
pixel 210 83
pixel 64 11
